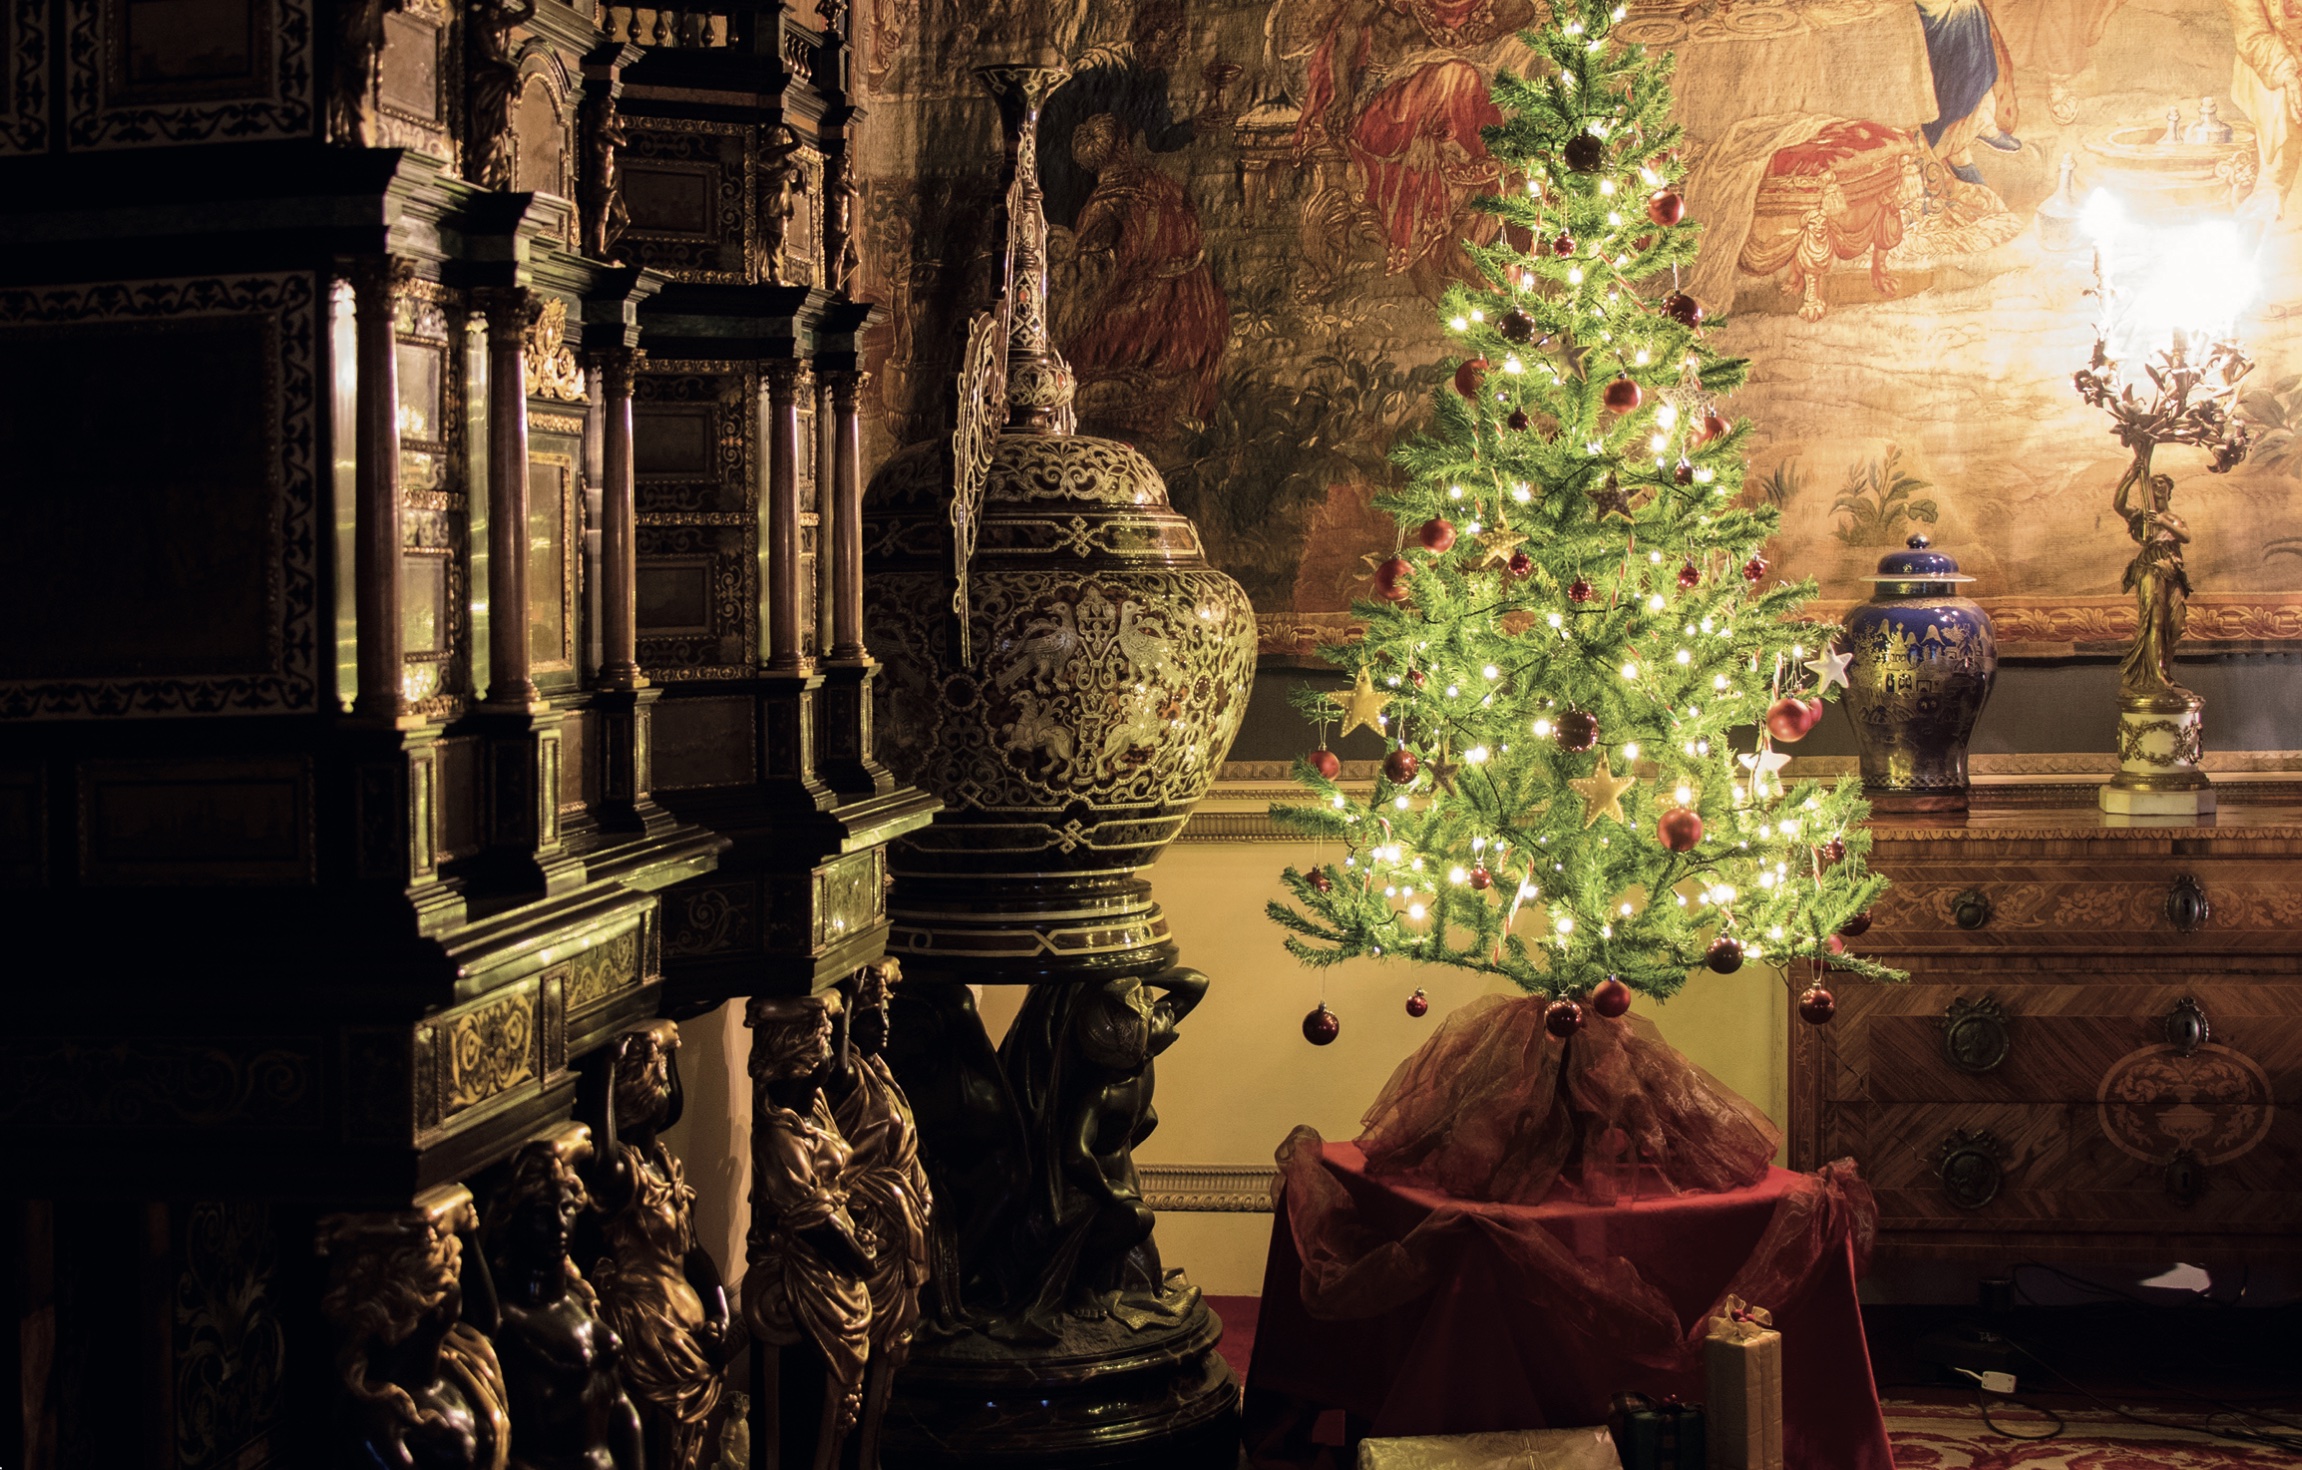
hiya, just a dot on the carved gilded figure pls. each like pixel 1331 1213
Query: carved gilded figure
pixel 568 1406
pixel 605 215
pixel 492 86
pixel 804 1294
pixel 658 1289
pixel 887 1193
pixel 410 1308
pixel 782 180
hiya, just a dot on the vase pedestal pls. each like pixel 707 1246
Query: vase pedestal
pixel 2159 746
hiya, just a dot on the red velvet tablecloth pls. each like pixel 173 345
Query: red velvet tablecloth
pixel 1469 1356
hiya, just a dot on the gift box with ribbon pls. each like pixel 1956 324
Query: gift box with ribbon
pixel 1658 1436
pixel 1742 1359
pixel 1515 1449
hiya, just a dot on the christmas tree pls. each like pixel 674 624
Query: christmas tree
pixel 1578 635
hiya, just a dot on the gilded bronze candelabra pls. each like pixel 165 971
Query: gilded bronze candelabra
pixel 2190 403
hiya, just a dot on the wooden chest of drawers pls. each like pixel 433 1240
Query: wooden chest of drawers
pixel 2099 1053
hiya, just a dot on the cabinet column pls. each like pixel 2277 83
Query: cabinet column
pixel 785 607
pixel 844 509
pixel 376 287
pixel 510 310
pixel 619 564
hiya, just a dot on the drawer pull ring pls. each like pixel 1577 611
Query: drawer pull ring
pixel 2187 907
pixel 1972 1166
pixel 2187 1028
pixel 1975 1037
pixel 2185 1178
pixel 1970 909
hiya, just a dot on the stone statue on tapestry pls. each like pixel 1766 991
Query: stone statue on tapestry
pixel 659 1289
pixel 569 1410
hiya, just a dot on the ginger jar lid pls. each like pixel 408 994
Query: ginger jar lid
pixel 1917 563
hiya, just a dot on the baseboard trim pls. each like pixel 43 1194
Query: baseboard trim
pixel 1231 1189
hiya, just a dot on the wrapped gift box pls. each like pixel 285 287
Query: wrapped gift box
pixel 1742 1356
pixel 1516 1449
pixel 1652 1436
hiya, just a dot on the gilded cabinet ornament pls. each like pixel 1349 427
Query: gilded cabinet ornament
pixel 410 1305
pixel 782 183
pixel 658 1289
pixel 804 1296
pixel 492 86
pixel 888 1196
pixel 569 1410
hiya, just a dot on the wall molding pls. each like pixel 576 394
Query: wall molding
pixel 1228 1189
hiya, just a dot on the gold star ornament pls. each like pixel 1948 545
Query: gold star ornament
pixel 1602 793
pixel 1361 704
pixel 1495 545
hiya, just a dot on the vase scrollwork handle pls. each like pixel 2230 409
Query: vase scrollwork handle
pixel 1970 909
pixel 2187 907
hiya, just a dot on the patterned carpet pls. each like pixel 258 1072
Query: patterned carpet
pixel 1953 1437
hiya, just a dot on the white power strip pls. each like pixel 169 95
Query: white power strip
pixel 1991 1382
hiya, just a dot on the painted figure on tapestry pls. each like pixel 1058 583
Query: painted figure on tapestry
pixel 1973 84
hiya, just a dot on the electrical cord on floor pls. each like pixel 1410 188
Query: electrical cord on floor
pixel 2290 1442
pixel 1982 1404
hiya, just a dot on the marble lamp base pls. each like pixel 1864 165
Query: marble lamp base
pixel 2158 752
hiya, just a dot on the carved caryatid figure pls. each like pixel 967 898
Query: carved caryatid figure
pixel 782 180
pixel 887 1193
pixel 410 1307
pixel 492 84
pixel 804 1293
pixel 568 1405
pixel 2159 582
pixel 658 1289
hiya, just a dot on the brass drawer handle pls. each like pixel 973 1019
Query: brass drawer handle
pixel 1972 1166
pixel 1970 909
pixel 2187 907
pixel 1975 1036
pixel 2187 1028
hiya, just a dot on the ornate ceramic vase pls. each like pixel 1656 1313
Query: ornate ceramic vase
pixel 1924 661
pixel 1105 671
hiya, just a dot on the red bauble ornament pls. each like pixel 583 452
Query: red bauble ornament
pixel 1562 245
pixel 1400 766
pixel 1418 678
pixel 1580 591
pixel 1683 473
pixel 1418 1004
pixel 1683 309
pixel 1833 851
pixel 1481 879
pixel 1610 998
pixel 1725 955
pixel 1755 569
pixel 1321 881
pixel 1834 944
pixel 1814 709
pixel 1467 376
pixel 1680 830
pixel 1320 1027
pixel 1391 579
pixel 1787 720
pixel 1713 425
pixel 1690 576
pixel 1520 564
pixel 1643 243
pixel 1621 396
pixel 1562 1018
pixel 1816 1006
pixel 1436 534
pixel 1576 731
pixel 1518 419
pixel 1516 326
pixel 1857 926
pixel 1665 207
pixel 1585 153
pixel 1325 762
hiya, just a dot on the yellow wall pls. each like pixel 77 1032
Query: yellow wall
pixel 1241 1075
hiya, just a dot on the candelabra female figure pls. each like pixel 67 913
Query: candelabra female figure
pixel 569 1408
pixel 2156 577
pixel 658 1289
pixel 804 1295
pixel 888 1195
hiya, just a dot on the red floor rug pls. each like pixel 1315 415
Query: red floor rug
pixel 1953 1437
